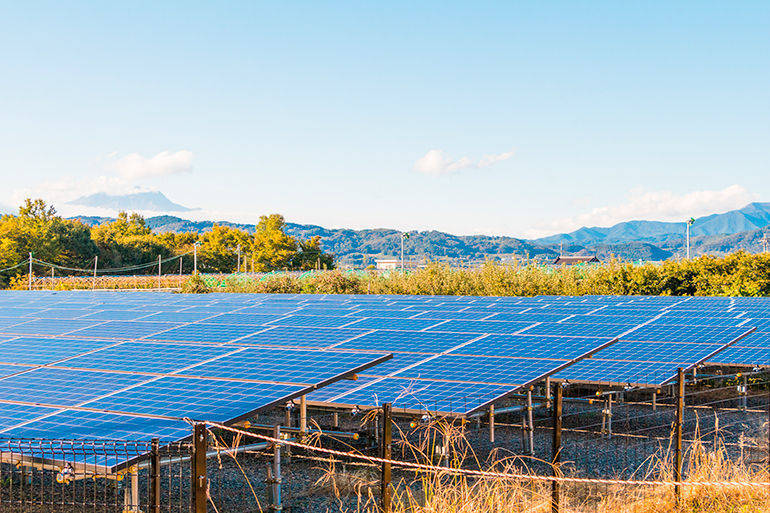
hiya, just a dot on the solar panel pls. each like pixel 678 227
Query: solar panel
pixel 481 327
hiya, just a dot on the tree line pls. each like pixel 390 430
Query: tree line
pixel 128 242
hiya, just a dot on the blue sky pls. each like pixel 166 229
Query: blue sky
pixel 516 118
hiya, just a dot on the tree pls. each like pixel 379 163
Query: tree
pixel 128 241
pixel 271 247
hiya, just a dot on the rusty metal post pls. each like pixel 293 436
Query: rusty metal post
pixel 530 425
pixel 492 423
pixel 386 453
pixel 679 423
pixel 556 446
pixel 198 470
pixel 302 417
pixel 154 477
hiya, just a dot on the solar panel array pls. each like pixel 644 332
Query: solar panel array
pixel 72 366
pixel 451 354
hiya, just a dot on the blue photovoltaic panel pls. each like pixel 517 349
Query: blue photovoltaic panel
pixel 395 324
pixel 301 337
pixel 399 362
pixel 481 327
pixel 178 317
pixel 422 395
pixel 528 317
pixel 14 414
pixel 324 394
pixel 533 346
pixel 578 329
pixel 116 315
pixel 8 323
pixel 64 387
pixel 277 364
pixel 63 313
pixel 53 327
pixel 658 351
pixel 41 351
pixel 416 342
pixel 443 315
pixel 209 333
pixel 244 318
pixel 18 312
pixel 609 371
pixel 752 356
pixel 195 398
pixel 7 370
pixel 607 319
pixel 392 314
pixel 88 425
pixel 147 357
pixel 124 329
pixel 481 369
pixel 337 312
pixel 314 321
pixel 687 334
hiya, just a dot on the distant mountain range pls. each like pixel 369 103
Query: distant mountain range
pixel 751 217
pixel 635 240
pixel 140 201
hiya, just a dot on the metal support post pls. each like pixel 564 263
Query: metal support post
pixel 679 423
pixel 492 423
pixel 336 420
pixel 195 258
pixel 530 425
pixel 30 271
pixel 154 477
pixel 131 492
pixel 198 470
pixel 386 453
pixel 609 416
pixel 159 270
pixel 274 475
pixel 96 263
pixel 302 417
pixel 654 400
pixel 556 446
pixel 547 392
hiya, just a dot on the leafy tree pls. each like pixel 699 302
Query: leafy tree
pixel 128 241
pixel 271 247
pixel 219 249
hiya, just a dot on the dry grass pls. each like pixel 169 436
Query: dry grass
pixel 357 490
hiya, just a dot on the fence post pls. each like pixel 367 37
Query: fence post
pixel 30 271
pixel 679 422
pixel 274 474
pixel 199 482
pixel 556 446
pixel 154 477
pixel 96 265
pixel 160 264
pixel 195 258
pixel 385 453
pixel 302 417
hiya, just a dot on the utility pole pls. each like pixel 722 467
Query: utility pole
pixel 96 263
pixel 238 268
pixel 403 236
pixel 689 223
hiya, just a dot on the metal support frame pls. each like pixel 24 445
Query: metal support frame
pixel 274 478
pixel 556 446
pixel 199 483
pixel 386 453
pixel 654 400
pixel 679 423
pixel 547 392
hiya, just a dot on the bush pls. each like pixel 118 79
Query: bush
pixel 195 285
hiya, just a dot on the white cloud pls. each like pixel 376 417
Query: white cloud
pixel 134 167
pixel 436 162
pixel 123 174
pixel 653 206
